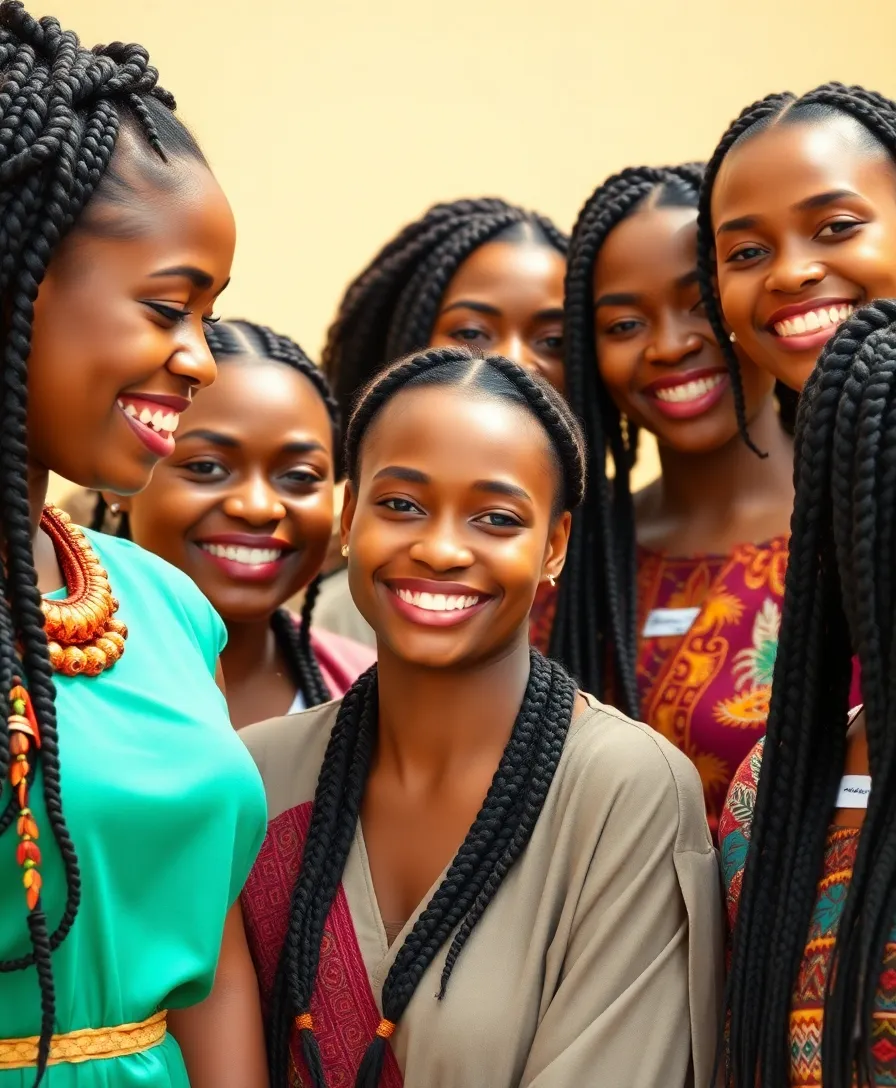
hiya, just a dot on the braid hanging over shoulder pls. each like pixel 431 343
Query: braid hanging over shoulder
pixel 62 108
pixel 594 628
pixel 872 110
pixel 840 598
pixel 246 339
pixel 513 803
pixel 391 307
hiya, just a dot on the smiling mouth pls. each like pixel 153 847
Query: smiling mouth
pixel 823 317
pixel 247 556
pixel 693 390
pixel 437 602
pixel 163 420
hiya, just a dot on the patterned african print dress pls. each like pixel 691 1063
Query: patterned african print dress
pixel 707 690
pixel 807 1010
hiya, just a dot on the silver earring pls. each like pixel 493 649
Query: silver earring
pixel 344 551
pixel 733 338
pixel 552 579
pixel 115 508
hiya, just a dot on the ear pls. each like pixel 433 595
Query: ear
pixel 349 505
pixel 558 542
pixel 123 502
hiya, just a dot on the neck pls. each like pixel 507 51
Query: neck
pixel 433 721
pixel 694 484
pixel 251 652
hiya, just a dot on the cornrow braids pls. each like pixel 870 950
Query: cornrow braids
pixel 840 598
pixel 514 801
pixel 62 108
pixel 594 628
pixel 873 111
pixel 244 338
pixel 390 309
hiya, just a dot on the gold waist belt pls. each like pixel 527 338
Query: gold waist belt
pixel 86 1044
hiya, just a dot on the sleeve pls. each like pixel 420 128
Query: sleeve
pixel 622 1013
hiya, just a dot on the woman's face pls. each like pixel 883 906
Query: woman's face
pixel 507 299
pixel 244 505
pixel 451 527
pixel 656 351
pixel 804 220
pixel 118 346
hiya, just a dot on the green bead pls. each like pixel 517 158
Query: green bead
pixel 28 864
pixel 18 707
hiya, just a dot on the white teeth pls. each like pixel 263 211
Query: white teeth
pixel 675 394
pixel 822 318
pixel 165 422
pixel 251 557
pixel 437 602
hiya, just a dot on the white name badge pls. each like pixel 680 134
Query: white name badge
pixel 669 622
pixel 855 789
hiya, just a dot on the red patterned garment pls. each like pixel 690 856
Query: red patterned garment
pixel 807 1011
pixel 707 691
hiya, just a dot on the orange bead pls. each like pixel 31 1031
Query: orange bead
pixel 19 744
pixel 56 655
pixel 27 826
pixel 115 639
pixel 109 648
pixel 96 661
pixel 73 661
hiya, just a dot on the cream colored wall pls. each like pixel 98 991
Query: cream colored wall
pixel 332 123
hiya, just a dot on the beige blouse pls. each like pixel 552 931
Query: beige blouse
pixel 598 962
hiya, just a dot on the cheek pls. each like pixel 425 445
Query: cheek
pixel 314 519
pixel 162 515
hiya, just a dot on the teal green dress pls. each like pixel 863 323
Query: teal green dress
pixel 167 813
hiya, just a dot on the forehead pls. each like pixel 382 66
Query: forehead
pixel 654 244
pixel 786 163
pixel 509 270
pixel 456 436
pixel 261 396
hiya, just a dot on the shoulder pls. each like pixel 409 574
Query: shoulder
pixel 141 580
pixel 628 773
pixel 736 820
pixel 289 751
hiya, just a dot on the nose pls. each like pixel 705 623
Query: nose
pixel 672 342
pixel 193 360
pixel 254 502
pixel 441 547
pixel 793 270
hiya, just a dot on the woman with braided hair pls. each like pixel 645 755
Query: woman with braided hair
pixel 244 506
pixel 797 225
pixel 130 813
pixel 480 273
pixel 670 600
pixel 473 873
pixel 807 834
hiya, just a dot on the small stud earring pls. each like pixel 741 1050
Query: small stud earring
pixel 115 508
pixel 344 551
pixel 552 579
pixel 733 337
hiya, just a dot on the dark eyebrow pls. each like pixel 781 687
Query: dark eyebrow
pixel 616 300
pixel 745 222
pixel 479 307
pixel 309 446
pixel 210 436
pixel 399 472
pixel 822 199
pixel 553 314
pixel 196 276
pixel 498 487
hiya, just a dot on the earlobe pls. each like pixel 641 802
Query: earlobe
pixel 349 504
pixel 558 543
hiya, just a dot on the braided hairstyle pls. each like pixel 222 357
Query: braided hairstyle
pixel 244 338
pixel 391 307
pixel 62 109
pixel 873 111
pixel 840 597
pixel 518 791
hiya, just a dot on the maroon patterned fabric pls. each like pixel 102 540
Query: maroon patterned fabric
pixel 343 1007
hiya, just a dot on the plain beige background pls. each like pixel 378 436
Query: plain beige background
pixel 330 124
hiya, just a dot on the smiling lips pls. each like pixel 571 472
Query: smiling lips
pixel 433 603
pixel 245 557
pixel 684 396
pixel 810 324
pixel 153 419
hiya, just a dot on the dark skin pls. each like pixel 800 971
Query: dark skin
pixel 654 340
pixel 253 466
pixel 507 298
pixel 426 508
pixel 113 320
pixel 804 217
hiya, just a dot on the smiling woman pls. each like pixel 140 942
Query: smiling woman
pixel 798 224
pixel 460 844
pixel 115 241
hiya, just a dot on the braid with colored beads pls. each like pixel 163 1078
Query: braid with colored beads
pixel 243 338
pixel 62 108
pixel 514 801
pixel 840 598
pixel 872 110
pixel 594 626
pixel 390 309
